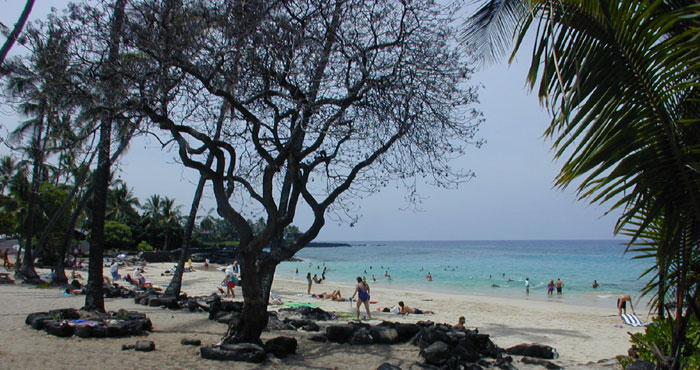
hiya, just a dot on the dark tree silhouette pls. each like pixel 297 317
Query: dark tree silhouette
pixel 329 100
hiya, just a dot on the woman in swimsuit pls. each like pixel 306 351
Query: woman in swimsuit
pixel 550 287
pixel 362 291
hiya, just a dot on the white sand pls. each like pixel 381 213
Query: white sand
pixel 581 335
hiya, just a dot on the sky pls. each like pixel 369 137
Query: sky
pixel 512 196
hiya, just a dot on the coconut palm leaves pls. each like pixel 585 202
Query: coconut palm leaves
pixel 620 79
pixel 491 30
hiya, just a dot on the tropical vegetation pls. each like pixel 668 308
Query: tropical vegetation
pixel 620 81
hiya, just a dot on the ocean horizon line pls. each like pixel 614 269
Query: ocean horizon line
pixel 462 240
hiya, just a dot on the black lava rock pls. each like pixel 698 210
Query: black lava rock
pixel 339 333
pixel 58 329
pixel 533 350
pixel 83 331
pixel 191 342
pixel 145 346
pixel 361 336
pixel 281 347
pixel 437 353
pixel 248 352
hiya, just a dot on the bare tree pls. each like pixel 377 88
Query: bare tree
pixel 331 100
pixel 175 285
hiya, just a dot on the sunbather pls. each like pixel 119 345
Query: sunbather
pixel 405 309
pixel 334 296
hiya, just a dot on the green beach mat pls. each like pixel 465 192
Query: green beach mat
pixel 345 315
pixel 299 304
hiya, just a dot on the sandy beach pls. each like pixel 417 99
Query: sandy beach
pixel 582 335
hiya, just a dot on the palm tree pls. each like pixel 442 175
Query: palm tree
pixel 42 89
pixel 8 168
pixel 619 79
pixel 121 204
pixel 94 298
pixel 171 218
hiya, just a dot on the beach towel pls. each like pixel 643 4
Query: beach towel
pixel 631 319
pixel 299 304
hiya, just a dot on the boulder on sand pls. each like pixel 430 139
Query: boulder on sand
pixel 281 347
pixel 248 352
pixel 533 350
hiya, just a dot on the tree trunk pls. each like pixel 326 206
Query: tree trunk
pixel 66 203
pixel 254 316
pixel 173 289
pixel 662 289
pixel 94 300
pixel 64 247
pixel 678 327
pixel 68 238
pixel 15 33
pixel 26 270
pixel 175 285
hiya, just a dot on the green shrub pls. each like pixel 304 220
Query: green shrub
pixel 659 334
pixel 144 246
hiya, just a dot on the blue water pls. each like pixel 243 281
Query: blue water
pixel 473 267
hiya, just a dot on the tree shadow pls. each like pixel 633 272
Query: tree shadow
pixel 532 334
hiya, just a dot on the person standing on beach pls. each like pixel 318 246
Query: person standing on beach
pixel 550 288
pixel 114 269
pixel 559 285
pixel 362 291
pixel 527 286
pixel 310 282
pixel 622 304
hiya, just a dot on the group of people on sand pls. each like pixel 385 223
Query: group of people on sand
pixel 231 279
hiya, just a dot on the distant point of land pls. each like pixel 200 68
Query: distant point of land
pixel 327 245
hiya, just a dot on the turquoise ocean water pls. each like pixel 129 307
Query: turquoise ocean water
pixel 474 267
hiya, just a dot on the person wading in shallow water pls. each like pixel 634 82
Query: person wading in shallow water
pixel 362 291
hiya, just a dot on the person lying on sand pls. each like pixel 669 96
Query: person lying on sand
pixel 72 291
pixel 334 296
pixel 405 309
